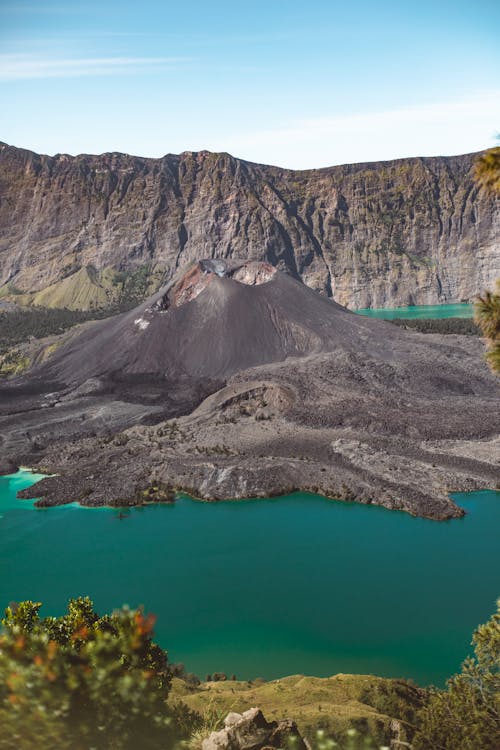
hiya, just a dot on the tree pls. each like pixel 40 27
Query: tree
pixel 84 681
pixel 487 170
pixel 467 715
pixel 487 317
pixel 487 308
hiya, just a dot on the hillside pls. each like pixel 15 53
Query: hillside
pixel 373 705
pixel 411 231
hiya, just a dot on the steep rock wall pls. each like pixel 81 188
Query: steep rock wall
pixel 411 231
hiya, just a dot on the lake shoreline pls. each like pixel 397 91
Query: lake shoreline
pixel 58 488
pixel 270 586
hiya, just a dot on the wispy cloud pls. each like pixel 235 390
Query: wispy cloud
pixel 466 123
pixel 18 67
pixel 451 113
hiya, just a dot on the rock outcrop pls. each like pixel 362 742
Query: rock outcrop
pixel 411 231
pixel 251 731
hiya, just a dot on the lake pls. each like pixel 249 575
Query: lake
pixel 420 311
pixel 298 584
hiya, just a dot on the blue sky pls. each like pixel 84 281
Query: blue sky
pixel 291 83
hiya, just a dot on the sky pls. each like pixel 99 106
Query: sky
pixel 297 84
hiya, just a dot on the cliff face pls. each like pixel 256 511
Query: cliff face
pixel 412 231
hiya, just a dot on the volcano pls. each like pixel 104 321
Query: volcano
pixel 216 319
pixel 236 380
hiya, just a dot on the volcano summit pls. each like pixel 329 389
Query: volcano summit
pixel 273 387
pixel 212 321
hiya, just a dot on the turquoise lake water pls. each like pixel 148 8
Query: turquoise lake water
pixel 420 311
pixel 268 587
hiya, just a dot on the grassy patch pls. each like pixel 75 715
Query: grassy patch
pixel 334 704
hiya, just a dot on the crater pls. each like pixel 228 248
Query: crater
pixel 204 272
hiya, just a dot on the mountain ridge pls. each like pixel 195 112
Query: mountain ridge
pixel 409 231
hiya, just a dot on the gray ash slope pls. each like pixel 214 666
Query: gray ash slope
pixel 217 319
pixel 279 388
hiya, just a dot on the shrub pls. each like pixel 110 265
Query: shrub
pixel 84 681
pixel 467 715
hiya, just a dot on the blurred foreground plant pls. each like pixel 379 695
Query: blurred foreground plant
pixel 487 317
pixel 84 681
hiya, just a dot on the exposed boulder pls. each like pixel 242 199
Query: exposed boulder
pixel 251 731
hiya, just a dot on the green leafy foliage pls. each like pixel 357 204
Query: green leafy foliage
pixel 400 699
pixel 487 317
pixel 351 739
pixel 487 171
pixel 467 715
pixel 19 325
pixel 85 681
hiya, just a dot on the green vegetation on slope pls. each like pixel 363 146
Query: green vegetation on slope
pixel 487 171
pixel 87 289
pixel 83 290
pixel 83 295
pixel 22 324
pixel 333 704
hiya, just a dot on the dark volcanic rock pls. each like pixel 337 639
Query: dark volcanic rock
pixel 411 231
pixel 274 388
pixel 211 323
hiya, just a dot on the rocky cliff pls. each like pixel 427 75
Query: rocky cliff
pixel 412 231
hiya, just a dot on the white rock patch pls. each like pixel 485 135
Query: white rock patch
pixel 143 324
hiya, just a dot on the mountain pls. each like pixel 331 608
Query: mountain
pixel 213 320
pixel 273 387
pixel 411 231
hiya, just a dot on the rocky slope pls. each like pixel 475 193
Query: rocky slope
pixel 412 231
pixel 274 387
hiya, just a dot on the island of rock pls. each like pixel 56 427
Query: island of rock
pixel 238 380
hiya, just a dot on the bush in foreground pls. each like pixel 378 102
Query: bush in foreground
pixel 84 681
pixel 466 716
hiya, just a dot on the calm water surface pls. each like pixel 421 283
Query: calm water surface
pixel 268 587
pixel 421 311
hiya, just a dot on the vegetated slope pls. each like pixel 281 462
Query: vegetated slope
pixel 274 387
pixel 381 708
pixel 411 231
